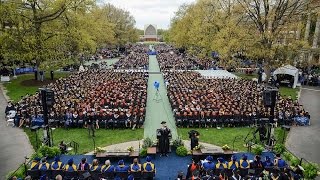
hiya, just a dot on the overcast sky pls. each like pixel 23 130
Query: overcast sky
pixel 157 12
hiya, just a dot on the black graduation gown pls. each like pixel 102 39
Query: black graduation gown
pixel 194 142
pixel 164 140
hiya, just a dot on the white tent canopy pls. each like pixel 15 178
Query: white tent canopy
pixel 220 74
pixel 290 70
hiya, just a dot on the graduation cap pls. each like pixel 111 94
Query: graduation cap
pixel 70 161
pixel 121 162
pixel 163 122
pixel 209 158
pixel 220 159
pixel 148 158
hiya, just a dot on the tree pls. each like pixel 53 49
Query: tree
pixel 53 33
pixel 259 29
pixel 271 20
pixel 123 22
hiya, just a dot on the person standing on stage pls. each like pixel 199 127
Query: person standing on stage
pixel 164 135
pixel 90 124
pixel 194 139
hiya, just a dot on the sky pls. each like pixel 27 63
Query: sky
pixel 158 12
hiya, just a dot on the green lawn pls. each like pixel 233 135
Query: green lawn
pixel 286 91
pixel 15 89
pixel 103 137
pixel 226 136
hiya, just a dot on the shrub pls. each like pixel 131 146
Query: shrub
pixel 182 151
pixel 226 147
pixel 294 161
pixel 49 151
pixel 143 152
pixel 130 148
pixel 279 148
pixel 177 142
pixel 100 150
pixel 258 149
pixel 147 142
pixel 20 173
pixel 36 154
pixel 287 156
pixel 310 170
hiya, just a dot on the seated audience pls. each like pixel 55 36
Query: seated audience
pixel 57 164
pixel 107 167
pixel 233 164
pixel 194 166
pixel 279 162
pixel 221 165
pixel 148 166
pixel 70 166
pixel 257 163
pixel 121 167
pixel 135 166
pixel 244 162
pixel 35 164
pixel 208 165
pixel 83 165
pixel 268 163
pixel 95 166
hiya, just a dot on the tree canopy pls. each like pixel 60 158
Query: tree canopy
pixel 51 33
pixel 258 29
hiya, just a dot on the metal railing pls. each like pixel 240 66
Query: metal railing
pixel 23 165
pixel 75 146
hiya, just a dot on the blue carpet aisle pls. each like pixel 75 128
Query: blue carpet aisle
pixel 166 167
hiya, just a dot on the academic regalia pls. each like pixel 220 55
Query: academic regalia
pixel 109 168
pixel 135 167
pixel 44 166
pixel 57 164
pixel 191 168
pixel 70 167
pixel 95 168
pixel 35 164
pixel 194 142
pixel 148 166
pixel 164 135
pixel 121 167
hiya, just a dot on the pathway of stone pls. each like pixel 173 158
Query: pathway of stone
pixel 304 141
pixel 14 143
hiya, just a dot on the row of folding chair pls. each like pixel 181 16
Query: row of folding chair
pixel 95 175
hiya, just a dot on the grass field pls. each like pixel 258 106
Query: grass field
pixel 103 137
pixel 16 88
pixel 227 136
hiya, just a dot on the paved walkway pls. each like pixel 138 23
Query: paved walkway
pixel 14 144
pixel 158 106
pixel 304 141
